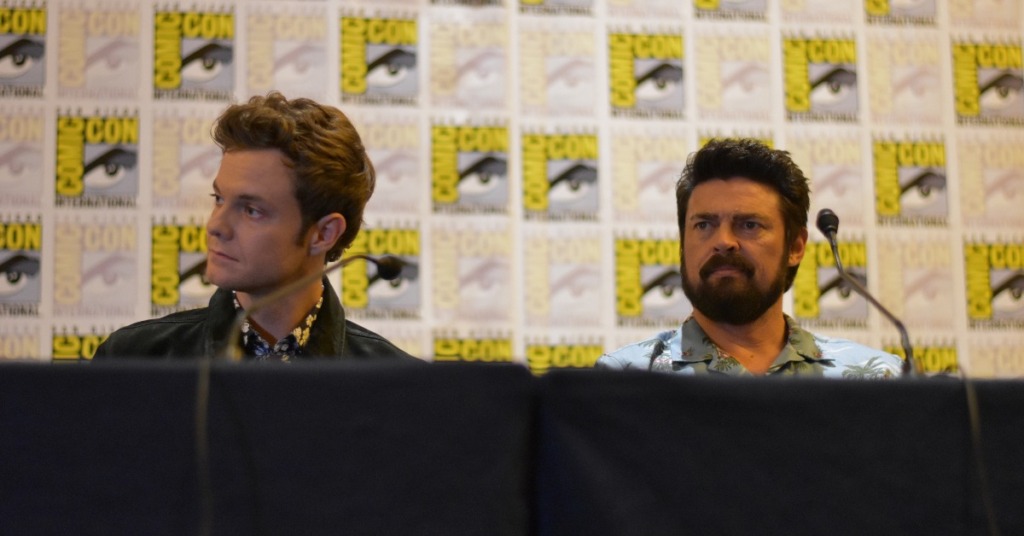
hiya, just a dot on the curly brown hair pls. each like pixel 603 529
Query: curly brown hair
pixel 332 172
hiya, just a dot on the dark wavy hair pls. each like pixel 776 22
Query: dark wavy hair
pixel 332 172
pixel 726 158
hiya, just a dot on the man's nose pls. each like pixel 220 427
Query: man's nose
pixel 725 239
pixel 217 225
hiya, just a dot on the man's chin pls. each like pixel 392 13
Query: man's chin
pixel 728 286
pixel 217 279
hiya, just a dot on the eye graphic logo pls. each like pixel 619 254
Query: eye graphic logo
pixel 193 55
pixel 286 51
pixel 662 292
pixel 365 293
pixel 18 270
pixel 483 178
pixel 97 160
pixel 379 60
pixel 470 169
pixel 648 285
pixel 20 261
pixel 185 160
pixel 22 52
pixel 21 157
pixel 562 279
pixel 995 284
pixel 94 268
pixel 21 61
pixel 570 84
pixel 178 268
pixel 821 79
pixel 646 74
pixel 910 182
pixel 821 295
pixel 988 83
pixel 560 175
pixel 99 53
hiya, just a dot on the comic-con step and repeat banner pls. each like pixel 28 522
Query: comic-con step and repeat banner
pixel 527 154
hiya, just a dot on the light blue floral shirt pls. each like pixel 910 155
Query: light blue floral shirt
pixel 688 350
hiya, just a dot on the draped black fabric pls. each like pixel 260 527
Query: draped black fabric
pixel 370 448
pixel 634 453
pixel 305 448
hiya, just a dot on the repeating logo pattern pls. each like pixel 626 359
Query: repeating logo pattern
pixel 526 158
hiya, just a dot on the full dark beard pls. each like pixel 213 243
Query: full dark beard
pixel 733 300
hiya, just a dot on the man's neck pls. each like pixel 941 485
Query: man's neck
pixel 278 318
pixel 754 345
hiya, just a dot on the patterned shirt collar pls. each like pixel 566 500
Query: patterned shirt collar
pixel 288 347
pixel 799 353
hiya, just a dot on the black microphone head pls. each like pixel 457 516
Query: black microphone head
pixel 389 267
pixel 828 222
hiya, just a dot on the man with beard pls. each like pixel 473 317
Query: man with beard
pixel 742 214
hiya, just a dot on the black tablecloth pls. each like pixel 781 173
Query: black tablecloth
pixel 332 448
pixel 302 449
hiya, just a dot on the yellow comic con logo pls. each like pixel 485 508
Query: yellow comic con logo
pixel 193 54
pixel 646 74
pixel 542 358
pixel 995 284
pixel 987 81
pixel 820 78
pixel 379 58
pixel 473 349
pixel 910 181
pixel 469 168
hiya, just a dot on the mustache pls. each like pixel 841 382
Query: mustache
pixel 731 260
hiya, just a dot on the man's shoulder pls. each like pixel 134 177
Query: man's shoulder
pixel 638 354
pixel 155 336
pixel 855 358
pixel 363 342
pixel 190 316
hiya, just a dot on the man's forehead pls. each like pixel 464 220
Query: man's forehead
pixel 734 195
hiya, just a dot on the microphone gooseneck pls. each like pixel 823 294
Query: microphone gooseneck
pixel 828 224
pixel 388 267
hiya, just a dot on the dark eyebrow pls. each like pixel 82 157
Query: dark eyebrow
pixel 703 216
pixel 737 216
pixel 241 197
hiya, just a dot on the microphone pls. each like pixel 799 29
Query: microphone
pixel 388 267
pixel 828 224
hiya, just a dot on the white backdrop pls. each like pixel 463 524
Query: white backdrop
pixel 526 156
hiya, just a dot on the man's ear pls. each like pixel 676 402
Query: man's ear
pixel 798 247
pixel 326 233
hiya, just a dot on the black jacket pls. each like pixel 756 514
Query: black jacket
pixel 203 332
